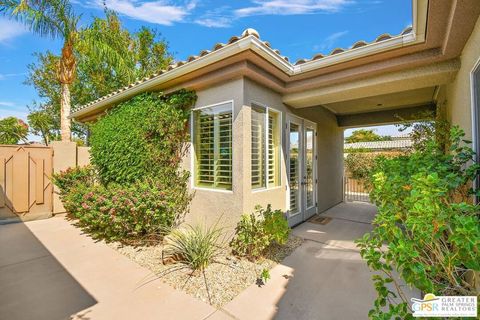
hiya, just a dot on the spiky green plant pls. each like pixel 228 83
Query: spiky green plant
pixel 194 246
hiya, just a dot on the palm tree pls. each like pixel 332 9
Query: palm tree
pixel 54 18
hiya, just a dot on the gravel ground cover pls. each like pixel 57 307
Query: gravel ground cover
pixel 223 280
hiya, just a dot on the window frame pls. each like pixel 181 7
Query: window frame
pixel 280 146
pixel 475 115
pixel 193 152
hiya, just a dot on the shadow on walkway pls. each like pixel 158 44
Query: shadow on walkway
pixel 33 284
pixel 325 278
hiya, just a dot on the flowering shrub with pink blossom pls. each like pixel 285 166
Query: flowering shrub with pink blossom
pixel 142 211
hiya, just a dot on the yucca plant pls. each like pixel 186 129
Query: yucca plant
pixel 194 246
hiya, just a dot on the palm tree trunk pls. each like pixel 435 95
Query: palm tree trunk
pixel 65 122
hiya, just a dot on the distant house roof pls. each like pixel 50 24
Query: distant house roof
pixel 381 145
pixel 401 136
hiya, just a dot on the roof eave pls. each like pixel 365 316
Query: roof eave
pixel 253 43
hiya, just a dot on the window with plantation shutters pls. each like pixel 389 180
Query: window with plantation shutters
pixel 258 147
pixel 213 146
pixel 265 148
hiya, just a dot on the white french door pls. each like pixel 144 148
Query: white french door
pixel 301 169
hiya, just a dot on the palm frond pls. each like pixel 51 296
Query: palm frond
pixel 52 18
pixel 103 51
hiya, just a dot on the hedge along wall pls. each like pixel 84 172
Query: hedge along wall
pixel 134 190
pixel 142 137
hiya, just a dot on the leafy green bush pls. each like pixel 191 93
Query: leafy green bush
pixel 142 137
pixel 360 164
pixel 428 222
pixel 194 247
pixel 257 231
pixel 67 179
pixel 140 192
pixel 142 211
pixel 13 130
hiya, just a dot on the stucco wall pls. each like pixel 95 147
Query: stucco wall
pixel 255 93
pixel 66 155
pixel 329 150
pixel 458 93
pixel 211 205
pixel 208 206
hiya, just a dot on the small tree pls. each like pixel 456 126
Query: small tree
pixel 42 123
pixel 13 130
pixel 364 135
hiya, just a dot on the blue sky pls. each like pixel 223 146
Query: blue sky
pixel 298 28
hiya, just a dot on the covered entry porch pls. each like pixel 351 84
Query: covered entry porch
pixel 404 96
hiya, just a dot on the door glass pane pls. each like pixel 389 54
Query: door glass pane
pixel 309 152
pixel 294 167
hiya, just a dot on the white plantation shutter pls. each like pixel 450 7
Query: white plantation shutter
pixel 258 147
pixel 213 146
pixel 265 148
pixel 273 150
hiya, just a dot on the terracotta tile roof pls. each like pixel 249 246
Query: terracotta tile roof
pixel 232 40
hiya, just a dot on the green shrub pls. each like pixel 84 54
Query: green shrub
pixel 140 192
pixel 142 211
pixel 194 247
pixel 257 231
pixel 66 180
pixel 142 137
pixel 360 164
pixel 428 223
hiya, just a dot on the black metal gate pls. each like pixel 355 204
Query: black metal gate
pixel 355 190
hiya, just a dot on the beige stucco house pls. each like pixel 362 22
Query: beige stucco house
pixel 269 131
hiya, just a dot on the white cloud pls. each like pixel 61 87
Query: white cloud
pixel 160 12
pixel 4 76
pixel 6 104
pixel 10 109
pixel 330 41
pixel 10 29
pixel 291 7
pixel 219 22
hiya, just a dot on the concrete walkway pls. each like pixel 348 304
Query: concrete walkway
pixel 50 270
pixel 323 279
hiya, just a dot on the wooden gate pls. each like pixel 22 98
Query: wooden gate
pixel 25 186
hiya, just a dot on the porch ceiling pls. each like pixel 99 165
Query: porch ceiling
pixel 407 87
pixel 390 101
